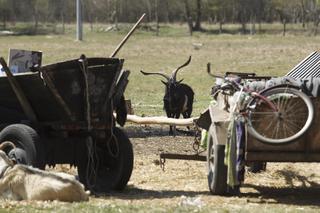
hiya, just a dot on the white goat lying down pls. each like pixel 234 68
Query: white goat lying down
pixel 21 182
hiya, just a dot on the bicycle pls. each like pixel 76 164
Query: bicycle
pixel 277 115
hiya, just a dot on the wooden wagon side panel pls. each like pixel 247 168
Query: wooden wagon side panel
pixel 37 93
pixel 57 94
pixel 69 83
pixel 306 148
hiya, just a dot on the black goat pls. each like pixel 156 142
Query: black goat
pixel 178 97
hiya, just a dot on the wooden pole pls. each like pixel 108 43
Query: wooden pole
pixel 26 106
pixel 161 120
pixel 127 37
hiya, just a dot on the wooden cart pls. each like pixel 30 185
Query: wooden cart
pixel 63 114
pixel 216 120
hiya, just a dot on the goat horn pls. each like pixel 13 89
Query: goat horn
pixel 174 73
pixel 5 144
pixel 155 73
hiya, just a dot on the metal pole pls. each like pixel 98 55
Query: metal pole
pixel 79 20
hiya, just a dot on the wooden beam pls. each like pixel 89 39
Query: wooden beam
pixel 25 104
pixel 177 156
pixel 56 94
pixel 127 37
pixel 161 120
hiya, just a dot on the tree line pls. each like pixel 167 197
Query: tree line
pixel 192 12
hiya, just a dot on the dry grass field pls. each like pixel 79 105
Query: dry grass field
pixel 182 186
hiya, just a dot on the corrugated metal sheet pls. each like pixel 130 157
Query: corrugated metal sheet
pixel 310 66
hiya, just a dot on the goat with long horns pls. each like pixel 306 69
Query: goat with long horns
pixel 178 97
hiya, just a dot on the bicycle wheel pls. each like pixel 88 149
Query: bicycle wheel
pixel 290 121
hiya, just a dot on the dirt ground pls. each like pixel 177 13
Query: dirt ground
pixel 182 185
pixel 283 186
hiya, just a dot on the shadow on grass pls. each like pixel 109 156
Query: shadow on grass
pixel 134 193
pixel 307 193
pixel 287 195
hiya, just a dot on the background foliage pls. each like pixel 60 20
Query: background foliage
pixel 244 12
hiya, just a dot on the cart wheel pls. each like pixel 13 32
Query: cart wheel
pixel 256 167
pixel 126 156
pixel 28 149
pixel 217 171
pixel 112 171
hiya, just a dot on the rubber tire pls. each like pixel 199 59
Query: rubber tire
pixel 117 175
pixel 127 158
pixel 27 139
pixel 217 171
pixel 275 90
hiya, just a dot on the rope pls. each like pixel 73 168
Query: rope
pixel 113 138
pixel 92 163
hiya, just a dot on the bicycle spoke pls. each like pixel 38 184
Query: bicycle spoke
pixel 290 121
pixel 294 106
pixel 290 130
pixel 280 101
pixel 274 131
pixel 293 124
pixel 264 113
pixel 299 117
pixel 285 130
pixel 258 116
pixel 269 127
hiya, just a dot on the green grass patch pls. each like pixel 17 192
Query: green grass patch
pixel 264 54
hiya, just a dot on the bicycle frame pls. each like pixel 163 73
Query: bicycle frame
pixel 238 87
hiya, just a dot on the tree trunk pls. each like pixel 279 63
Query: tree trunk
pixel 197 26
pixel 166 11
pixel 316 24
pixel 253 25
pixel 36 19
pixel 157 16
pixel 116 14
pixel 149 10
pixel 62 21
pixel 243 19
pixel 243 27
pixel 284 27
pixel 188 17
pixel 13 13
pixel 260 27
pixel 4 20
pixel 259 23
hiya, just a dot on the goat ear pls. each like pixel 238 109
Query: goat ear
pixel 165 83
pixel 180 81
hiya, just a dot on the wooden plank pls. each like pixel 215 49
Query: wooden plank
pixel 56 94
pixel 282 156
pixel 25 104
